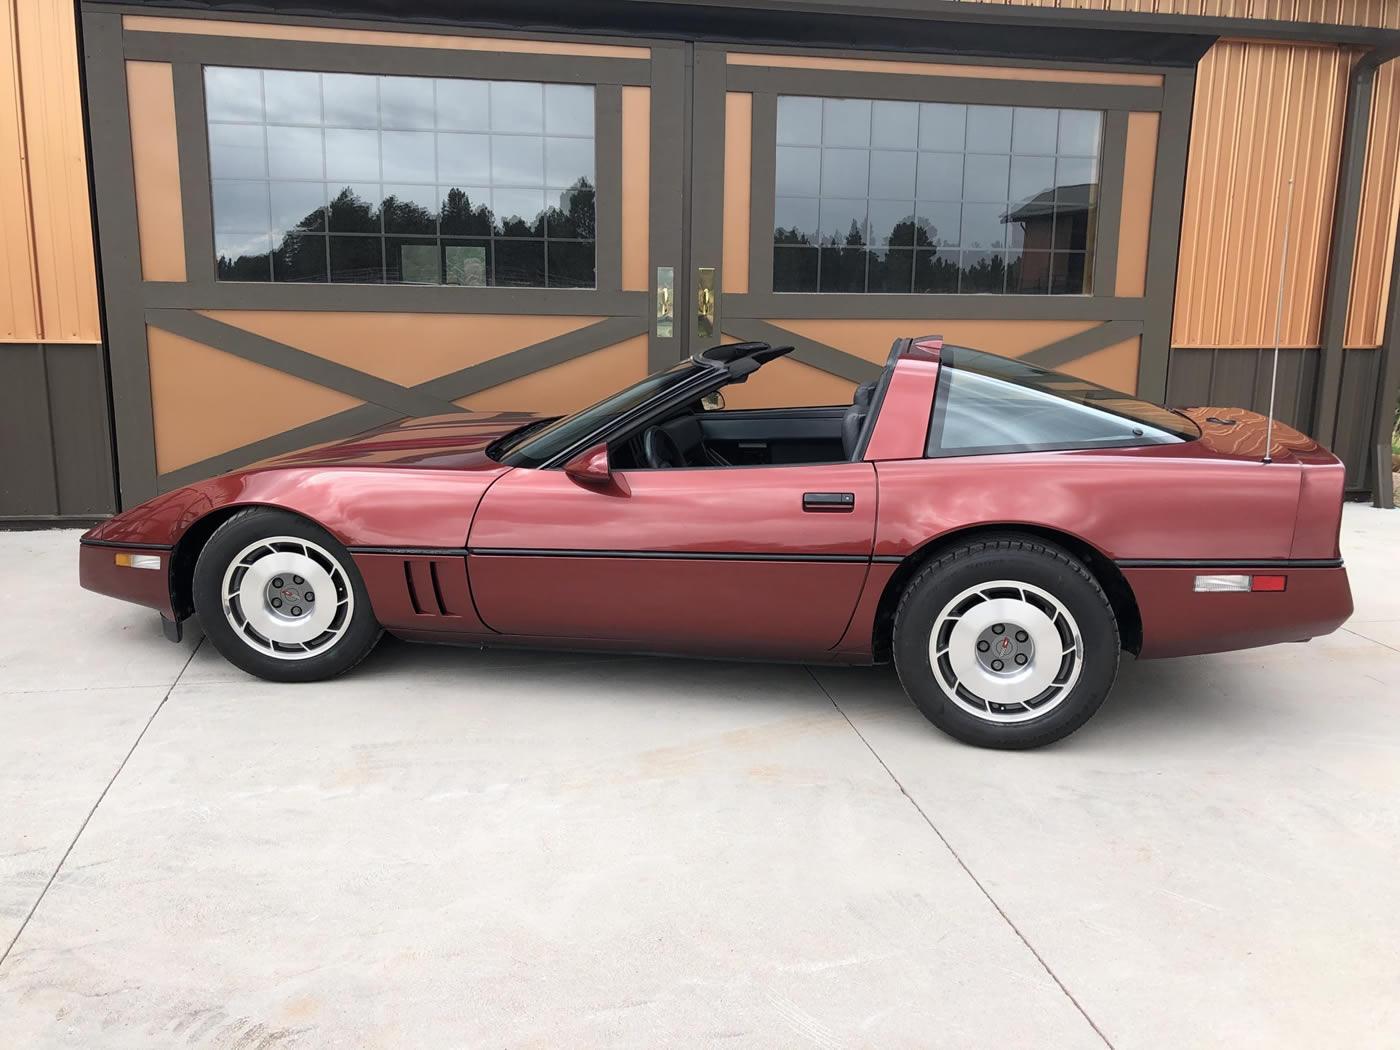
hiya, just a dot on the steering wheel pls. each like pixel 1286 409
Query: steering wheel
pixel 661 450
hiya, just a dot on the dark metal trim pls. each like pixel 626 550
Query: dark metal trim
pixel 124 546
pixel 667 196
pixel 762 203
pixel 889 559
pixel 881 306
pixel 1345 215
pixel 1226 563
pixel 192 149
pixel 1164 232
pixel 1110 212
pixel 706 193
pixel 607 138
pixel 915 87
pixel 318 56
pixel 114 191
pixel 531 552
pixel 389 298
pixel 1387 391
pixel 1071 348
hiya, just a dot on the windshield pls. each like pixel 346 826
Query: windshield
pixel 534 446
pixel 991 404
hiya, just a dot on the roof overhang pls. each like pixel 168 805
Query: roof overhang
pixel 921 26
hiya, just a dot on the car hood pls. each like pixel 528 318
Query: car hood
pixel 455 442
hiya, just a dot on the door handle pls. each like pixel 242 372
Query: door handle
pixel 839 502
pixel 705 295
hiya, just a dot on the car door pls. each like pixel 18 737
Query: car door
pixel 762 560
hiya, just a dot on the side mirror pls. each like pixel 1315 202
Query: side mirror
pixel 590 467
pixel 712 402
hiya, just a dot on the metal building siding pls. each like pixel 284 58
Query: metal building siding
pixel 1380 209
pixel 1336 12
pixel 19 314
pixel 49 289
pixel 1263 112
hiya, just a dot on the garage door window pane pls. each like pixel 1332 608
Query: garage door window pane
pixel 357 178
pixel 986 199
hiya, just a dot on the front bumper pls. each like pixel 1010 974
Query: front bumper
pixel 1179 621
pixel 99 571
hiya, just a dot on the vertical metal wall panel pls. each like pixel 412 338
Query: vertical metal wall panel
pixel 1336 12
pixel 26 473
pixel 1240 378
pixel 19 307
pixel 1380 208
pixel 1263 113
pixel 58 186
pixel 1355 415
pixel 54 429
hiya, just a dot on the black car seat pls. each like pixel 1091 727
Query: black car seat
pixel 853 422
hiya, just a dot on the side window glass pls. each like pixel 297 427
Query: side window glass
pixel 978 414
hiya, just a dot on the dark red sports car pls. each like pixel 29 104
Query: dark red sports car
pixel 1001 532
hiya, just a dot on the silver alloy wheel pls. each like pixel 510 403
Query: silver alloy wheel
pixel 1006 651
pixel 287 598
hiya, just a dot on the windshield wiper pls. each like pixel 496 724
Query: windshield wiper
pixel 511 438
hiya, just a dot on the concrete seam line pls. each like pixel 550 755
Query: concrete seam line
pixel 83 826
pixel 1368 638
pixel 962 864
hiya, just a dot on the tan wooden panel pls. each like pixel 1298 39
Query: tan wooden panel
pixel 1380 206
pixel 402 348
pixel 1139 170
pixel 1114 366
pixel 1263 112
pixel 62 225
pixel 204 401
pixel 636 188
pixel 569 386
pixel 19 304
pixel 940 69
pixel 374 37
pixel 150 92
pixel 738 176
pixel 872 339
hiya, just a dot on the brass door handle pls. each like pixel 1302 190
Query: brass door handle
pixel 665 301
pixel 705 299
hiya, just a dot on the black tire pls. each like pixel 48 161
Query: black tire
pixel 346 639
pixel 1070 600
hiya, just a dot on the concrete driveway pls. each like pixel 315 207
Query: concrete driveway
pixel 461 849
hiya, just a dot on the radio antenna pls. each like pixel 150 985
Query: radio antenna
pixel 1278 324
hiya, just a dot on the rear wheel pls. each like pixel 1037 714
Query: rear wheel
pixel 1008 642
pixel 281 599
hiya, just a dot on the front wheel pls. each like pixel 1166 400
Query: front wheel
pixel 1007 642
pixel 281 599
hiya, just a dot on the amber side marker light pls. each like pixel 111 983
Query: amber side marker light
pixel 139 561
pixel 1220 584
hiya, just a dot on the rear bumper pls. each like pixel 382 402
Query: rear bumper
pixel 98 571
pixel 1177 621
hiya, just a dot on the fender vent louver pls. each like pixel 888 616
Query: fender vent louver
pixel 420 577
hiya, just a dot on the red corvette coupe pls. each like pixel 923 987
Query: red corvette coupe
pixel 1001 532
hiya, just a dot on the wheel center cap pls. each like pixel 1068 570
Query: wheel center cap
pixel 1004 648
